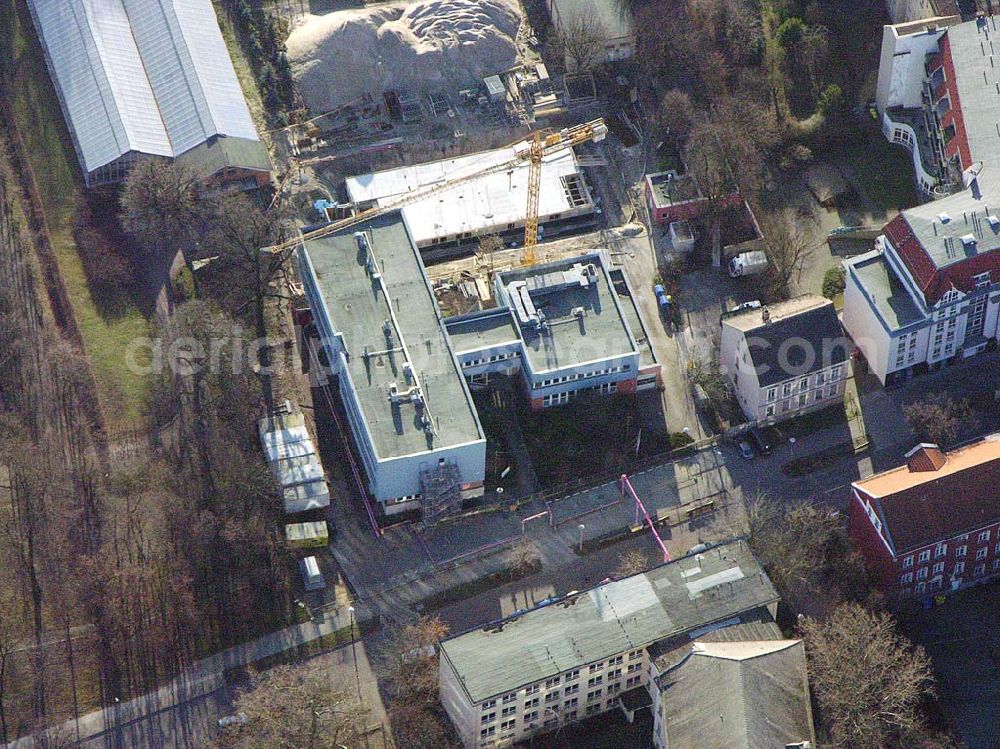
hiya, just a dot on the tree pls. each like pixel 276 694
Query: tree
pixel 938 418
pixel 675 116
pixel 523 557
pixel 162 204
pixel 814 49
pixel 294 707
pixel 790 33
pixel 831 101
pixel 834 282
pixel 581 39
pixel 631 563
pixel 787 250
pixel 869 680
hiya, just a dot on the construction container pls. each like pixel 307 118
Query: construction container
pixel 307 535
pixel 312 578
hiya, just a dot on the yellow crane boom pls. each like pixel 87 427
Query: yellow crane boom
pixel 534 150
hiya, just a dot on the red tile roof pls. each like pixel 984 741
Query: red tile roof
pixel 919 508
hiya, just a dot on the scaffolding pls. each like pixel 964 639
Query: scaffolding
pixel 440 490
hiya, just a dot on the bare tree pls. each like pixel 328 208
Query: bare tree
pixel 631 563
pixel 581 39
pixel 675 116
pixel 938 418
pixel 524 557
pixel 868 679
pixel 294 707
pixel 788 250
pixel 162 204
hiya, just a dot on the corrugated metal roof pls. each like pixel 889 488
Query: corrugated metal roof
pixel 152 76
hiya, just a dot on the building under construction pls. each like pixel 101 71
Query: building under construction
pixel 493 203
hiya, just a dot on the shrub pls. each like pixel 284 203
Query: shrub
pixel 833 282
pixel 790 32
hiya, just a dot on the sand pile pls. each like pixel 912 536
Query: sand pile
pixel 415 46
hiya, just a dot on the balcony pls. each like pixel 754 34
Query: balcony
pixel 919 132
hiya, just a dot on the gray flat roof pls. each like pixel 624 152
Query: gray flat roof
pixel 358 309
pixel 601 333
pixel 891 300
pixel 631 312
pixel 967 215
pixel 976 78
pixel 634 612
pixel 671 189
pixel 481 330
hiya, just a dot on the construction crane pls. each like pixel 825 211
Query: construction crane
pixel 540 145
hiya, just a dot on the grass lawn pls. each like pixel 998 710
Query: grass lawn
pixel 884 170
pixel 40 123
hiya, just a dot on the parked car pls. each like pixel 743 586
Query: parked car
pixel 745 450
pixel 752 304
pixel 759 441
pixel 233 720
pixel 662 298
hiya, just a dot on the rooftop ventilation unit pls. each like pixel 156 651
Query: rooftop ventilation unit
pixel 578 312
pixel 994 222
pixel 944 218
pixel 969 240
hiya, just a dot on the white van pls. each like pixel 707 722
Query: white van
pixel 748 264
pixel 311 575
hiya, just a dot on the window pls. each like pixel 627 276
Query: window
pixel 488 704
pixel 531 689
pixel 984 537
pixel 803 399
pixel 614 688
pixel 614 674
pixel 594 681
pixel 488 717
pixel 996 549
pixel 508 698
pixel 835 373
pixel 635 655
pixel 938 568
pixel 633 667
pixel 572 689
pixel 571 715
pixel 487 732
pixel 633 680
pixel 769 410
pixel 980 570
pixel 922 573
pixel 772 393
pixel 596 694
pixel 595 668
pixel 552 696
pixel 981 553
pixel 786 389
pixel 531 717
pixel 572 702
pixel 508 711
pixel 959 568
pixel 925 555
pixel 575 673
pixel 593 709
pixel 908 561
pixel 996 564
pixel 804 383
pixel 940 550
pixel 553 682
pixel 961 551
pixel 533 702
pixel 616 661
pixel 831 391
pixel 906 579
pixel 919 588
pixel 982 280
pixel 508 725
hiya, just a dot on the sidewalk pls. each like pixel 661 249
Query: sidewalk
pixel 201 678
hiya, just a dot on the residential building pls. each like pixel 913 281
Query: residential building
pixel 380 331
pixel 785 359
pixel 608 21
pixel 494 203
pixel 933 96
pixel 673 197
pixel 565 327
pixel 904 11
pixel 149 78
pixel 931 525
pixel 738 687
pixel 581 655
pixel 929 295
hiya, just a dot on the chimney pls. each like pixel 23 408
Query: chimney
pixel 765 315
pixel 925 457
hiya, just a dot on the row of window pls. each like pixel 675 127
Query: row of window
pixel 802 401
pixel 820 379
pixel 486 360
pixel 937 584
pixel 558 399
pixel 960 551
pixel 581 376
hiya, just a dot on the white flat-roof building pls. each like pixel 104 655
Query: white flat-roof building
pixel 493 204
pixel 148 78
pixel 408 406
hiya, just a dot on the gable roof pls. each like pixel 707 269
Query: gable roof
pixel 800 336
pixel 667 601
pixel 738 695
pixel 920 504
pixel 152 76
